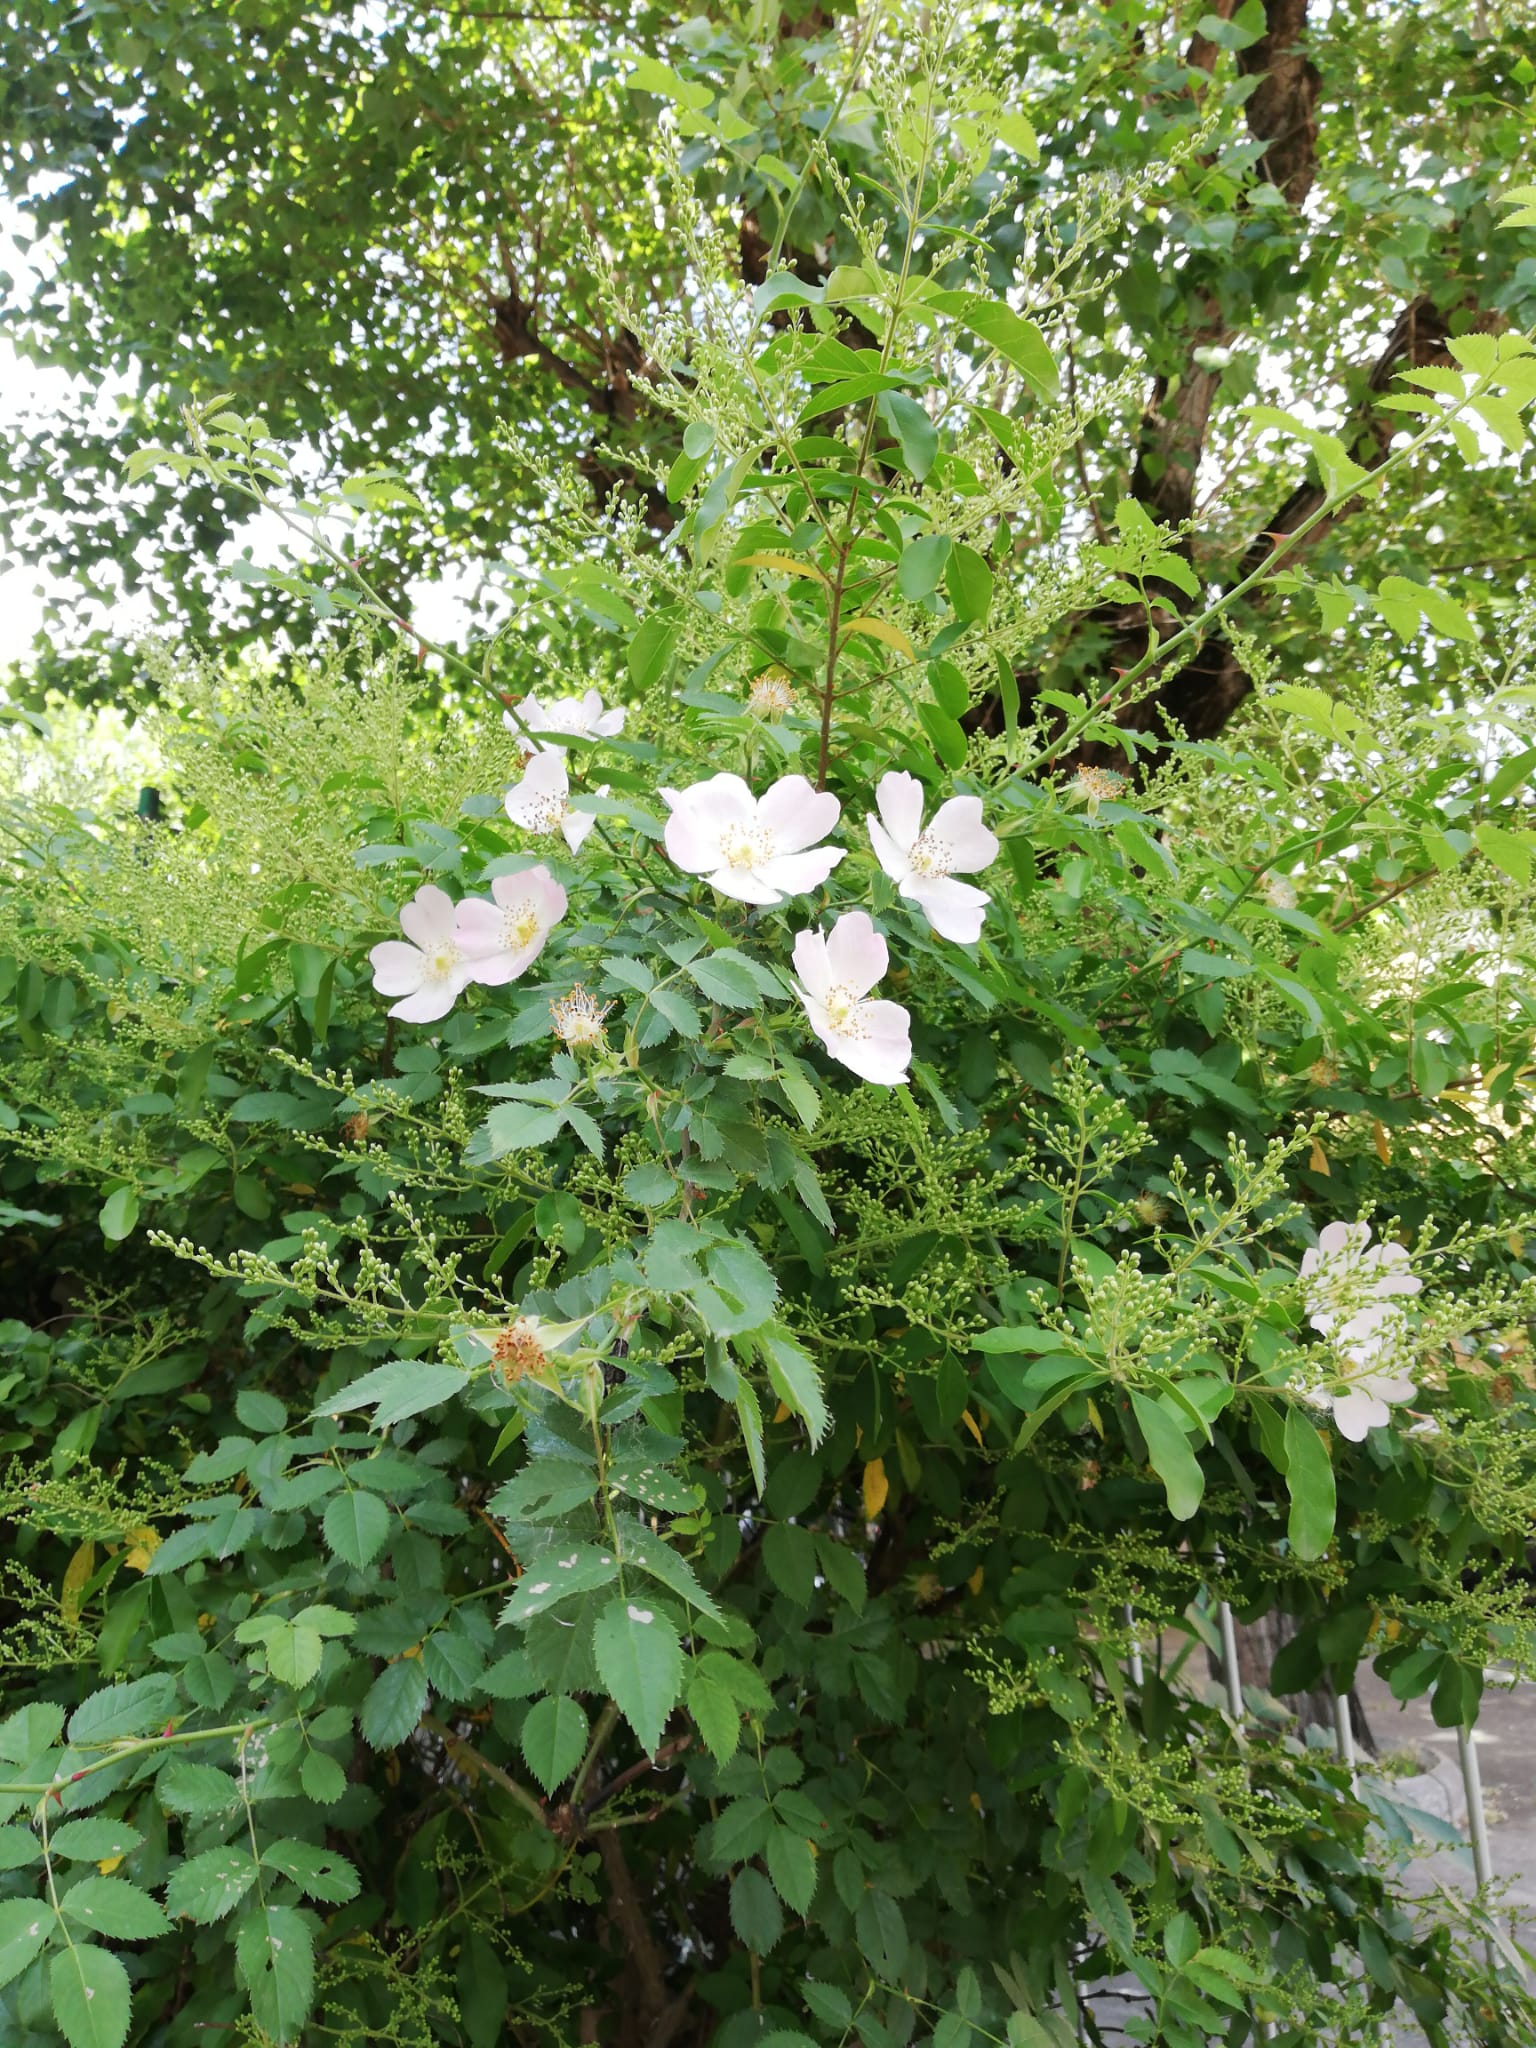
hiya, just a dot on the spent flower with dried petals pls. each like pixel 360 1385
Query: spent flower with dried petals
pixel 772 693
pixel 1097 785
pixel 756 849
pixel 578 1020
pixel 837 970
pixel 923 862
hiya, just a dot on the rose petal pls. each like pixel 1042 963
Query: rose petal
pixel 428 917
pixel 744 886
pixel 397 968
pixel 432 1000
pixel 899 800
pixel 700 815
pixel 795 815
pixel 796 874
pixel 958 823
pixel 887 852
pixel 812 965
pixel 954 909
pixel 856 953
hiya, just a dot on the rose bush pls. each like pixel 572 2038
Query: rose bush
pixel 652 1460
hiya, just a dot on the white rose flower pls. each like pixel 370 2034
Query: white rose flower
pixel 1353 1291
pixel 581 718
pixel 837 970
pixel 430 972
pixel 922 864
pixel 540 802
pixel 758 850
pixel 503 937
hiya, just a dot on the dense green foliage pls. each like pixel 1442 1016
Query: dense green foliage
pixel 378 230
pixel 633 1534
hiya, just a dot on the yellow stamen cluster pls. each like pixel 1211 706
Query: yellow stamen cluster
pixel 578 1019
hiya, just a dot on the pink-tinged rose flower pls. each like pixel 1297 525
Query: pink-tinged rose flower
pixel 757 849
pixel 922 863
pixel 580 718
pixel 502 937
pixel 431 971
pixel 837 970
pixel 540 802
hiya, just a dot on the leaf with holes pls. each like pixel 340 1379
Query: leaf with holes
pixel 110 1905
pixel 275 1957
pixel 25 1925
pixel 206 1887
pixel 318 1873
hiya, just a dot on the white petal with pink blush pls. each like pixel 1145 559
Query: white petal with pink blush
pixel 756 849
pixel 540 801
pixel 502 936
pixel 837 970
pixel 428 969
pixel 923 861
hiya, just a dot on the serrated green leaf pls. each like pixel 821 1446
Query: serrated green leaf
pixel 792 1865
pixel 206 1887
pixel 553 1737
pixel 756 1914
pixel 394 1703
pixel 356 1527
pixel 641 1663
pixel 92 1998
pixel 319 1873
pixel 1107 1908
pixel 399 1389
pixel 275 1958
pixel 25 1925
pixel 110 1905
pixel 88 1841
pixel 715 1714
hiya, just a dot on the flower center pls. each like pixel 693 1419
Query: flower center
pixel 519 928
pixel 578 1019
pixel 843 1008
pixel 545 813
pixel 931 855
pixel 745 846
pixel 442 960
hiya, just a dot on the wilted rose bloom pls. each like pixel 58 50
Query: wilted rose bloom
pixel 583 718
pixel 431 971
pixel 1098 785
pixel 503 937
pixel 758 850
pixel 772 693
pixel 837 970
pixel 1280 890
pixel 578 1020
pixel 540 802
pixel 922 863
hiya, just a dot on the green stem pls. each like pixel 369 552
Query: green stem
pixel 121 1751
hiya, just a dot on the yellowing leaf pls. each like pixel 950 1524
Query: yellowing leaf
pixel 76 1576
pixel 876 1488
pixel 142 1545
pixel 1095 1417
pixel 783 1412
pixel 108 1864
pixel 970 1422
pixel 789 565
pixel 974 1581
pixel 882 630
pixel 1319 1160
pixel 1382 1143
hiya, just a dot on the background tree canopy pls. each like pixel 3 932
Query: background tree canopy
pixel 666 1274
pixel 379 232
